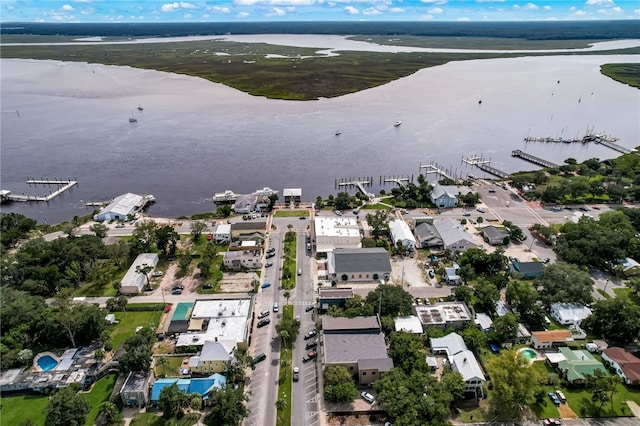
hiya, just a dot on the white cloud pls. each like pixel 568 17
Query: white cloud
pixel 617 9
pixel 276 11
pixel 67 8
pixel 351 10
pixel 463 19
pixel 187 16
pixel 552 19
pixel 547 7
pixel 39 20
pixel 434 1
pixel 219 9
pixel 580 13
pixel 531 6
pixel 599 3
pixel 436 11
pixel 425 17
pixel 371 11
pixel 242 14
pixel 636 11
pixel 172 7
pixel 396 10
pixel 274 2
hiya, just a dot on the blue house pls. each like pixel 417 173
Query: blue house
pixel 203 386
pixel 445 196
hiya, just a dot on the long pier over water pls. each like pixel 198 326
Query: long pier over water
pixel 63 185
pixel 533 159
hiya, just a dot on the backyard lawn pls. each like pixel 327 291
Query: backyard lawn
pixel 129 321
pixel 172 369
pixel 100 392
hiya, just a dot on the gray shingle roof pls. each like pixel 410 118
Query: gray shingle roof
pixel 330 324
pixel 343 348
pixel 380 364
pixel 452 232
pixel 214 351
pixel 374 259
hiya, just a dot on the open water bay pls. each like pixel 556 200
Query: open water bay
pixel 194 138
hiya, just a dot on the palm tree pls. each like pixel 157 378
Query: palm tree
pixel 284 335
pixel 110 412
pixel 287 295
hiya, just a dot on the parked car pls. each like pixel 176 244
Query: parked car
pixel 270 255
pixel 120 225
pixel 552 422
pixel 466 214
pixel 561 396
pixel 207 286
pixel 302 218
pixel 311 345
pixel 492 190
pixel 176 291
pixel 263 322
pixel 265 284
pixel 271 250
pixel 554 398
pixel 264 314
pixel 157 274
pixel 308 308
pixel 258 358
pixel 480 210
pixel 432 274
pixel 310 334
pixel 309 356
pixel 338 212
pixel 268 265
pixel 296 374
pixel 367 397
pixel 418 301
pixel 299 272
pixel 275 307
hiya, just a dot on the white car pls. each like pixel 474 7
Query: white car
pixel 367 397
pixel 157 274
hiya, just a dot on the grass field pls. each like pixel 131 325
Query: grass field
pixel 172 369
pixel 100 392
pixel 624 73
pixel 285 376
pixel 153 419
pixel 128 323
pixel 291 213
pixel 289 263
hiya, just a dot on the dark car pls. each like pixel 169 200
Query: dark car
pixel 270 255
pixel 308 308
pixel 554 398
pixel 268 265
pixel 310 334
pixel 309 356
pixel 271 250
pixel 207 286
pixel 259 358
pixel 263 322
pixel 311 345
pixel 176 291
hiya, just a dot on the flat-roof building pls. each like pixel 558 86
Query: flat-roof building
pixel 135 390
pixel 121 207
pixel 331 233
pixel 134 282
pixel 443 314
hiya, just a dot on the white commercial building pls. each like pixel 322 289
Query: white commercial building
pixel 134 282
pixel 335 232
pixel 121 207
pixel 222 234
pixel 400 232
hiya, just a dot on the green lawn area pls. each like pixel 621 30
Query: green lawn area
pixel 100 392
pixel 285 376
pixel 377 206
pixel 291 213
pixel 172 368
pixel 18 409
pixel 128 323
pixel 289 263
pixel 622 293
pixel 153 419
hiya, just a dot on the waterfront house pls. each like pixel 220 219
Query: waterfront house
pixel 453 235
pixel 494 236
pixel 569 313
pixel 359 264
pixel 292 195
pixel 624 363
pixel 445 196
pixel 428 237
pixel 461 360
pixel 121 207
pixel 400 231
pixel 133 281
pixel 135 390
pixel 222 234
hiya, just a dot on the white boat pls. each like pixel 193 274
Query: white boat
pixel 397 123
pixel 225 196
pixel 266 191
pixel 133 120
pixel 338 133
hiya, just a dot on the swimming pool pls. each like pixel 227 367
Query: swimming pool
pixel 529 354
pixel 47 363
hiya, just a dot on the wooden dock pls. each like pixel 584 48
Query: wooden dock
pixel 63 185
pixel 485 165
pixel 533 159
pixel 436 168
pixel 360 184
pixel 615 147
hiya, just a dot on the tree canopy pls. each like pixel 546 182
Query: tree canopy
pixel 564 282
pixel 338 384
pixel 395 300
pixel 617 320
pixel 66 407
pixel 228 407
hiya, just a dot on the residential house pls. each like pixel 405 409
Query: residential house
pixel 358 345
pixel 135 390
pixel 494 236
pixel 427 236
pixel 630 267
pixel 578 364
pixel 242 260
pixel 400 231
pixel 331 233
pixel 333 297
pixel 484 322
pixel 121 207
pixel 202 386
pixel 461 360
pixel 443 315
pixel 451 275
pixel 249 227
pixel 213 358
pixel 410 324
pixel 445 196
pixel 550 339
pixel 133 281
pixel 625 363
pixel 453 235
pixel 569 313
pixel 528 270
pixel 222 234
pixel 523 335
pixel 359 265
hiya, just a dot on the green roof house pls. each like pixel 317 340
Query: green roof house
pixel 578 364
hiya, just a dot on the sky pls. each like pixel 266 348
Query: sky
pixel 314 10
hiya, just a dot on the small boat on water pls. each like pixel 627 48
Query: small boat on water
pixel 133 120
pixel 397 123
pixel 338 133
pixel 140 108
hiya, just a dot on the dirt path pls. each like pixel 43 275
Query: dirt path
pixel 566 412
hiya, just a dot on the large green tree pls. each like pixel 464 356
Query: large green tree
pixel 564 282
pixel 617 320
pixel 66 407
pixel 338 384
pixel 171 401
pixel 486 295
pixel 505 328
pixel 407 351
pixel 228 407
pixel 379 222
pixel 393 300
pixel 515 384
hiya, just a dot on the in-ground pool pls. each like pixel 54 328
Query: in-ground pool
pixel 47 363
pixel 529 354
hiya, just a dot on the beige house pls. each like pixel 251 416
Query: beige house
pixel 212 358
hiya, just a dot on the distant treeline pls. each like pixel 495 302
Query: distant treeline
pixel 604 30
